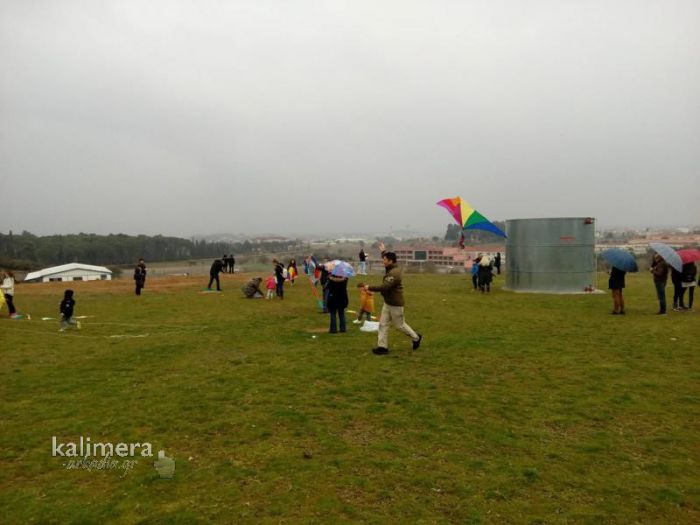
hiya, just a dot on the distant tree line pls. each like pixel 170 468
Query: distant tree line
pixel 27 251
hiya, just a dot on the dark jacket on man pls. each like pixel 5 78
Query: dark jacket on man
pixel 660 272
pixel 140 273
pixel 391 287
pixel 67 306
pixel 216 267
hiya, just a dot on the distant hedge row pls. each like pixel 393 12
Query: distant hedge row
pixel 27 251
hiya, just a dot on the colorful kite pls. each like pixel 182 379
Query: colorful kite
pixel 467 217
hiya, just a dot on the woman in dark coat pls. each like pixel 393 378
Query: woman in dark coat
pixel 690 272
pixel 616 283
pixel 337 301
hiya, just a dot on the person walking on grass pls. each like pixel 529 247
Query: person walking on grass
pixel 8 291
pixel 366 304
pixel 216 268
pixel 393 309
pixel 475 273
pixel 485 273
pixel 66 308
pixel 659 270
pixel 140 276
pixel 616 283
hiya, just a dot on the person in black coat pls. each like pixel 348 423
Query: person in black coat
pixel 688 275
pixel 337 302
pixel 678 290
pixel 216 268
pixel 140 276
pixel 66 308
pixel 323 279
pixel 616 283
pixel 279 278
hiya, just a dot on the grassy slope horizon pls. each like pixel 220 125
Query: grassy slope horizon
pixel 520 408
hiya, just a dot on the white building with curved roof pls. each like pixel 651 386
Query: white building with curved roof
pixel 70 272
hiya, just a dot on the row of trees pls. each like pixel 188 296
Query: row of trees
pixel 27 251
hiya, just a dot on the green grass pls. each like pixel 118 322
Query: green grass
pixel 519 408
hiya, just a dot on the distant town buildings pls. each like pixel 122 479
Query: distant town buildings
pixel 443 256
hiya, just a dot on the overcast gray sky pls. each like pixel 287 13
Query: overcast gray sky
pixel 307 116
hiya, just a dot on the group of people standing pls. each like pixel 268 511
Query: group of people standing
pixel 224 265
pixel 683 280
pixel 228 263
pixel 482 271
pixel 335 295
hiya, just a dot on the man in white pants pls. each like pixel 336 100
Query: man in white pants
pixel 392 311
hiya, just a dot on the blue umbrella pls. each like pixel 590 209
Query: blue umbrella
pixel 668 254
pixel 620 259
pixel 340 269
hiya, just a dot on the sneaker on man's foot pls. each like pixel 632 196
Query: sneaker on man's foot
pixel 416 343
pixel 380 350
pixel 357 321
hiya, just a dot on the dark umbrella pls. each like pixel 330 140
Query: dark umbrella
pixel 620 259
pixel 668 254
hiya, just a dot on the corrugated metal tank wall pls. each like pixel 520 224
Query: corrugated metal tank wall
pixel 550 255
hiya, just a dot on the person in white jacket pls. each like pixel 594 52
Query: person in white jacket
pixel 8 291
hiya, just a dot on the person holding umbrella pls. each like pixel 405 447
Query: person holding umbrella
pixel 659 270
pixel 621 262
pixel 678 290
pixel 337 288
pixel 616 283
pixel 690 272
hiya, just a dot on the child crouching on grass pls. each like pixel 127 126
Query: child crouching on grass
pixel 66 308
pixel 366 304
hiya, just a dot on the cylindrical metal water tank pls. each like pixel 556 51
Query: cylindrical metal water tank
pixel 551 255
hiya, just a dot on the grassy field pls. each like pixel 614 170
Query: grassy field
pixel 518 408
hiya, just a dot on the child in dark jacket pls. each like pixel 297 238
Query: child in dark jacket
pixel 66 309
